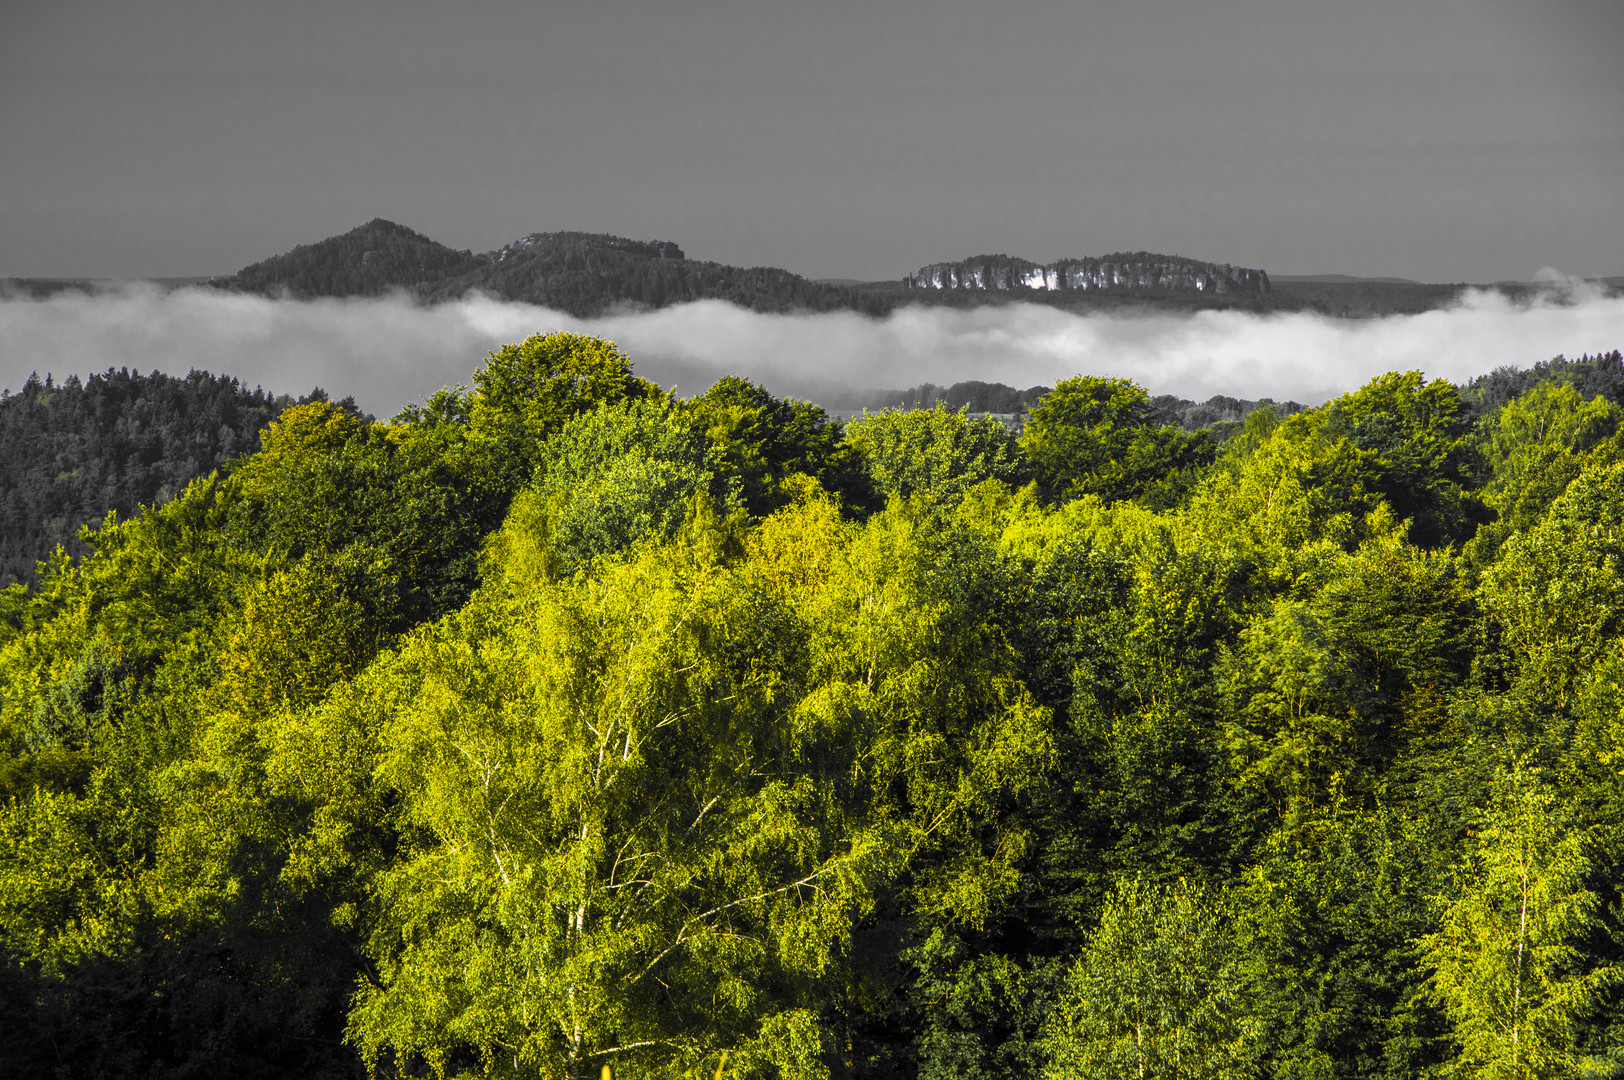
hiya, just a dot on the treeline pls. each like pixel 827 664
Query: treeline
pixel 1221 414
pixel 72 453
pixel 973 395
pixel 984 397
pixel 1601 375
pixel 1217 418
pixel 560 723
pixel 118 441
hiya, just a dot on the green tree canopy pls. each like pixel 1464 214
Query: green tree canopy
pixel 1155 992
pixel 1092 435
pixel 526 392
pixel 934 454
pixel 1506 965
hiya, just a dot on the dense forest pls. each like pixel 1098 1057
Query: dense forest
pixel 119 441
pixel 114 442
pixel 559 724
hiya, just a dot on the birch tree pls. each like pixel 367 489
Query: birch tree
pixel 1506 966
pixel 1154 993
pixel 621 850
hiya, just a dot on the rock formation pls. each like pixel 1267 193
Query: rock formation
pixel 1113 273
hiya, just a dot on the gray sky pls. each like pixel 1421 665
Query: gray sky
pixel 1443 140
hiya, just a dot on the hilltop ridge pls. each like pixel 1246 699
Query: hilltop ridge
pixel 588 274
pixel 366 261
pixel 581 273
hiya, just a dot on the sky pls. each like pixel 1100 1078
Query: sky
pixel 1440 140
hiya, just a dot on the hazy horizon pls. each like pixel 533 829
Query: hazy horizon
pixel 1461 140
pixel 1544 274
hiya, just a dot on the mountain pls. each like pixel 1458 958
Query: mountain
pixel 587 274
pixel 366 261
pixel 581 273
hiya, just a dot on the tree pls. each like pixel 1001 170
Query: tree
pixel 116 442
pixel 624 474
pixel 758 442
pixel 1424 460
pixel 412 497
pixel 1082 429
pixel 1536 445
pixel 1321 688
pixel 627 845
pixel 1154 993
pixel 934 454
pixel 980 1013
pixel 650 806
pixel 1100 436
pixel 1557 590
pixel 527 391
pixel 1326 913
pixel 1506 966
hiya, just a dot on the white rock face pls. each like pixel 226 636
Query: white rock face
pixel 1119 273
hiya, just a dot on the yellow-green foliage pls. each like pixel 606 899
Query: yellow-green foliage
pixel 562 723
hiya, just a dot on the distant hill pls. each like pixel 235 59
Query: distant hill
pixel 1359 298
pixel 1343 279
pixel 366 261
pixel 581 273
pixel 587 274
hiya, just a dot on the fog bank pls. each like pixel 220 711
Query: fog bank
pixel 387 352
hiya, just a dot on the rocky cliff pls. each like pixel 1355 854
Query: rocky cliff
pixel 1135 272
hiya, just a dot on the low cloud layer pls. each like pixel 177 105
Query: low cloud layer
pixel 388 352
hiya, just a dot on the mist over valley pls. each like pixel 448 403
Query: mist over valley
pixel 388 316
pixel 387 351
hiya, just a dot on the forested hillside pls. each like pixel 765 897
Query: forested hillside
pixel 582 273
pixel 559 723
pixel 72 453
pixel 587 274
pixel 368 260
